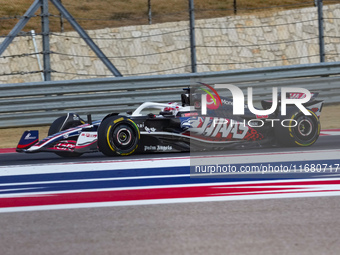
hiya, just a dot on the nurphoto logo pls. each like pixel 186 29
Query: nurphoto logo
pixel 239 100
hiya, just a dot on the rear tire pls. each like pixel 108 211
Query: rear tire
pixel 304 130
pixel 118 135
pixel 57 126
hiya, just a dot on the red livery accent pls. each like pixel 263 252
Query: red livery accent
pixel 20 146
pixel 65 146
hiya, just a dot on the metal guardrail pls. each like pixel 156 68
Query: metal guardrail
pixel 39 103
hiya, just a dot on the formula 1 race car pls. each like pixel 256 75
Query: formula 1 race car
pixel 178 127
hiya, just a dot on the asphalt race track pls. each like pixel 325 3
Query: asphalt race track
pixel 266 225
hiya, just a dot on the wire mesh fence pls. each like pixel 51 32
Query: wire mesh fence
pixel 155 39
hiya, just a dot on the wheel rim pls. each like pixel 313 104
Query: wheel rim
pixel 305 128
pixel 124 136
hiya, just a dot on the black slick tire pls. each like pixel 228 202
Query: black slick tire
pixel 300 130
pixel 118 135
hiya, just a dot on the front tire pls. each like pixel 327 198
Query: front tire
pixel 118 135
pixel 304 130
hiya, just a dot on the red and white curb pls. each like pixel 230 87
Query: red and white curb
pixel 7 150
pixel 325 132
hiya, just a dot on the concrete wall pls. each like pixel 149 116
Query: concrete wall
pixel 235 42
